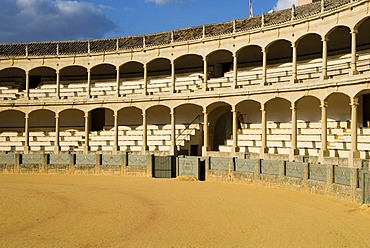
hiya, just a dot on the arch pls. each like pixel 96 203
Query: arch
pixel 100 118
pixel 158 115
pixel 279 51
pixel 103 72
pixel 159 66
pixel 72 119
pixel 309 46
pixel 220 61
pixel 188 112
pixel 363 35
pixel 250 56
pixel 339 40
pixel 12 120
pixel 189 63
pixel 13 78
pixel 42 119
pixel 308 109
pixel 278 110
pixel 364 107
pixel 73 72
pixel 220 124
pixel 339 107
pixel 42 75
pixel 130 116
pixel 249 111
pixel 132 69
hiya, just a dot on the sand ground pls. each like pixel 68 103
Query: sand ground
pixel 97 211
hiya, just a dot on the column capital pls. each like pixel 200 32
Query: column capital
pixel 354 31
pixel 263 107
pixel 27 72
pixel 57 71
pixel 172 111
pixel 89 70
pixel 264 49
pixel 293 106
pixel 324 39
pixel 324 104
pixel 26 115
pixel 56 115
pixel 173 62
pixel 118 68
pixel 235 54
pixel 354 102
pixel 86 115
pixel 205 58
pixel 294 45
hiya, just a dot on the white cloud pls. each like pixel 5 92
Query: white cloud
pixel 178 3
pixel 46 20
pixel 284 4
pixel 157 1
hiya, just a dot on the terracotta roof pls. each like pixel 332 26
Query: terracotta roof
pixel 124 43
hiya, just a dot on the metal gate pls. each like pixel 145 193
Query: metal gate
pixel 366 188
pixel 164 167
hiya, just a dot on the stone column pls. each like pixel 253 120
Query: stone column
pixel 145 80
pixel 235 130
pixel 264 148
pixel 26 133
pixel 173 76
pixel 354 70
pixel 205 132
pixel 27 84
pixel 118 81
pixel 88 94
pixel 205 72
pixel 144 147
pixel 87 133
pixel 115 145
pixel 264 66
pixel 294 63
pixel 294 150
pixel 354 152
pixel 235 70
pixel 58 84
pixel 324 58
pixel 56 145
pixel 324 131
pixel 173 148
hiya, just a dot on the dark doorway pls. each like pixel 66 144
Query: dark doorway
pixel 223 130
pixel 366 110
pixel 34 81
pixel 97 119
pixel 194 150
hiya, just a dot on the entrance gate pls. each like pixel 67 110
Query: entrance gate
pixel 164 167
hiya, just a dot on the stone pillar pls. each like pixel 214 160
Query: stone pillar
pixel 324 58
pixel 88 94
pixel 235 70
pixel 144 147
pixel 294 63
pixel 324 131
pixel 354 70
pixel 27 84
pixel 145 80
pixel 264 66
pixel 173 148
pixel 205 72
pixel 294 150
pixel 264 148
pixel 173 77
pixel 205 132
pixel 354 152
pixel 26 133
pixel 56 145
pixel 115 145
pixel 87 133
pixel 58 84
pixel 235 130
pixel 118 81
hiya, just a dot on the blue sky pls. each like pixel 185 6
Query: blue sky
pixel 49 20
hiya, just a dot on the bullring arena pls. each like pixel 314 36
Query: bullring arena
pixel 280 100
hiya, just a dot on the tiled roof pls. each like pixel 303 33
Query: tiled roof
pixel 124 43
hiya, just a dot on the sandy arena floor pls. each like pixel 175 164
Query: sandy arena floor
pixel 97 211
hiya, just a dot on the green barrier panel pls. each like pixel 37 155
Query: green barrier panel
pixel 85 159
pixel 294 169
pixel 137 160
pixel 342 175
pixel 318 172
pixel 220 163
pixel 32 158
pixel 7 158
pixel 59 159
pixel 366 188
pixel 189 167
pixel 246 165
pixel 270 167
pixel 112 160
